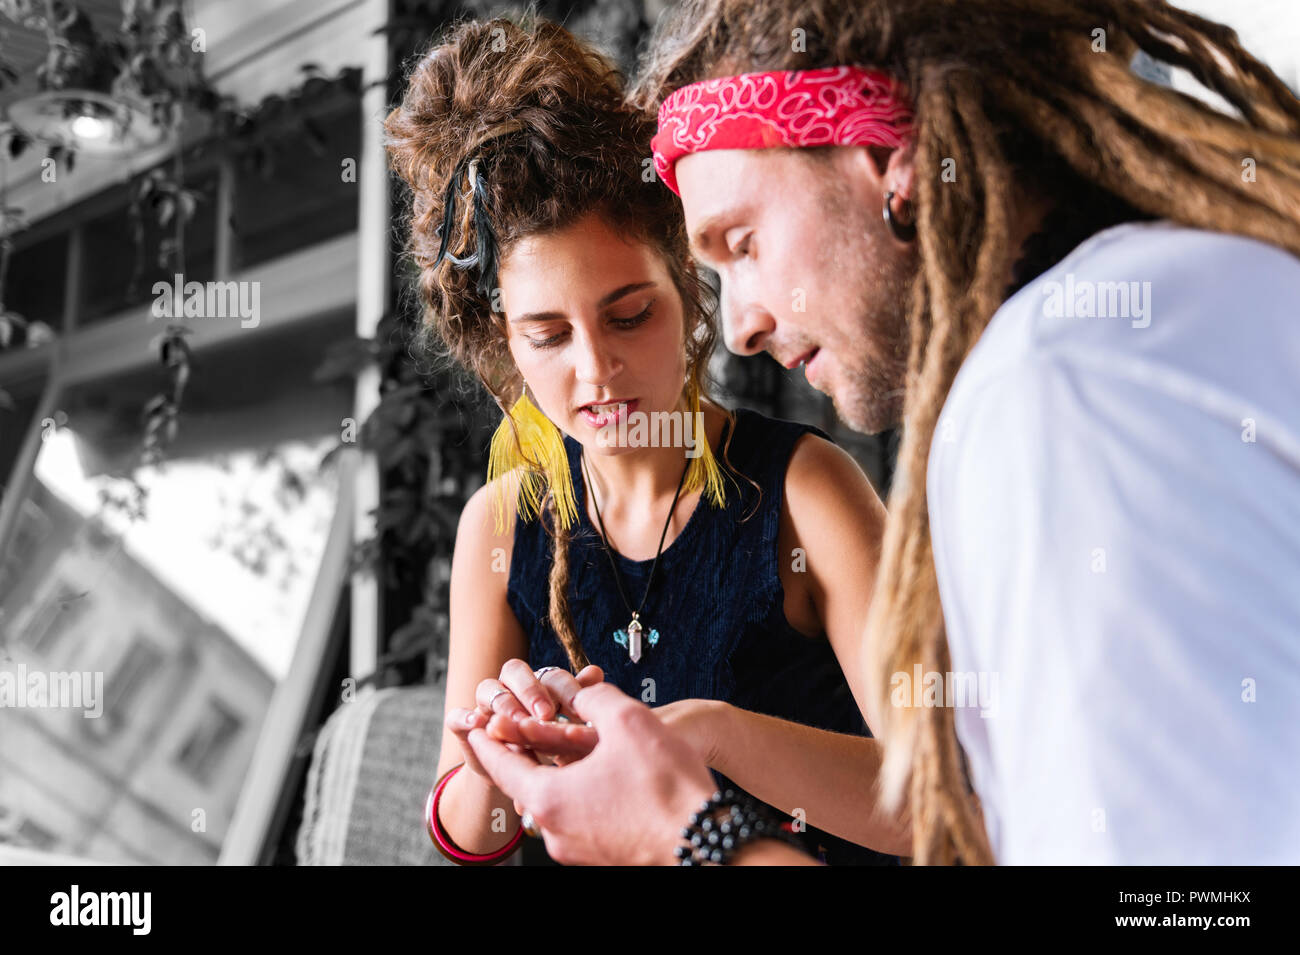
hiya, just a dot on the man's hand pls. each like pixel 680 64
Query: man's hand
pixel 625 803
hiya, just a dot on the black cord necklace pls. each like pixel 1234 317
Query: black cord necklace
pixel 630 636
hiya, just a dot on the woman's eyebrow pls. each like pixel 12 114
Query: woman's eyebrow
pixel 607 299
pixel 622 290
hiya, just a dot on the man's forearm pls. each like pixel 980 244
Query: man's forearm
pixel 830 776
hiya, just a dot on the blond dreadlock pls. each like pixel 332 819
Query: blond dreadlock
pixel 1013 91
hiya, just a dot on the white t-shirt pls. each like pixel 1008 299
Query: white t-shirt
pixel 1115 510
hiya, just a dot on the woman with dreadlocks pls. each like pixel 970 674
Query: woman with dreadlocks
pixel 1077 290
pixel 720 588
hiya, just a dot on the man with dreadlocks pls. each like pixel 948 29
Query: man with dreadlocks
pixel 1076 290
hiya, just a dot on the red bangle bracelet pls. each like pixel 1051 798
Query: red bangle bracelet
pixel 443 841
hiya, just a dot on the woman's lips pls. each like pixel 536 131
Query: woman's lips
pixel 612 412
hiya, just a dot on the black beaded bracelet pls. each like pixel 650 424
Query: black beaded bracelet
pixel 713 839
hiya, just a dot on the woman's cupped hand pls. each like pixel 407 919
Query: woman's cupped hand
pixel 531 712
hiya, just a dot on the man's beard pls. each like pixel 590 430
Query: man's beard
pixel 871 395
pixel 871 398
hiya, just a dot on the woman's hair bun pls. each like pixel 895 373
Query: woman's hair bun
pixel 495 77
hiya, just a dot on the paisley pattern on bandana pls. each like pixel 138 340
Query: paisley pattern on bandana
pixel 834 106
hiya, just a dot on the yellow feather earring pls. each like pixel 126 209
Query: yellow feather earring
pixel 703 470
pixel 530 466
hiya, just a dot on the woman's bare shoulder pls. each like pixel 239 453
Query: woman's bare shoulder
pixel 489 512
pixel 824 483
pixel 485 533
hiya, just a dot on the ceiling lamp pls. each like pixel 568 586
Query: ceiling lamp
pixel 87 122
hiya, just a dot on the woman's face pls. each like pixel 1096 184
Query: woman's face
pixel 595 326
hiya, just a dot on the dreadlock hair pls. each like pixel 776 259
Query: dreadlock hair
pixel 1028 98
pixel 532 124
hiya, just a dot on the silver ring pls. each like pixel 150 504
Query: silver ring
pixel 530 825
pixel 537 674
pixel 493 697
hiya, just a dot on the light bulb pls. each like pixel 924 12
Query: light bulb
pixel 89 127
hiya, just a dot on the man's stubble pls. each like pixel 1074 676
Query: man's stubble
pixel 878 274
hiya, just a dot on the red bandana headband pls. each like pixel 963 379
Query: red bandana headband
pixel 834 106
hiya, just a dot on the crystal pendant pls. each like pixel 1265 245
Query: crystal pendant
pixel 631 638
pixel 634 640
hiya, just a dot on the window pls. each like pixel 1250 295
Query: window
pixel 18 830
pixel 209 742
pixel 33 836
pixel 122 688
pixel 52 619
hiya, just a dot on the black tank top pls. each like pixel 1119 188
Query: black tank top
pixel 717 605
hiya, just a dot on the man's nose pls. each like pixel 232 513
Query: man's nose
pixel 746 325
